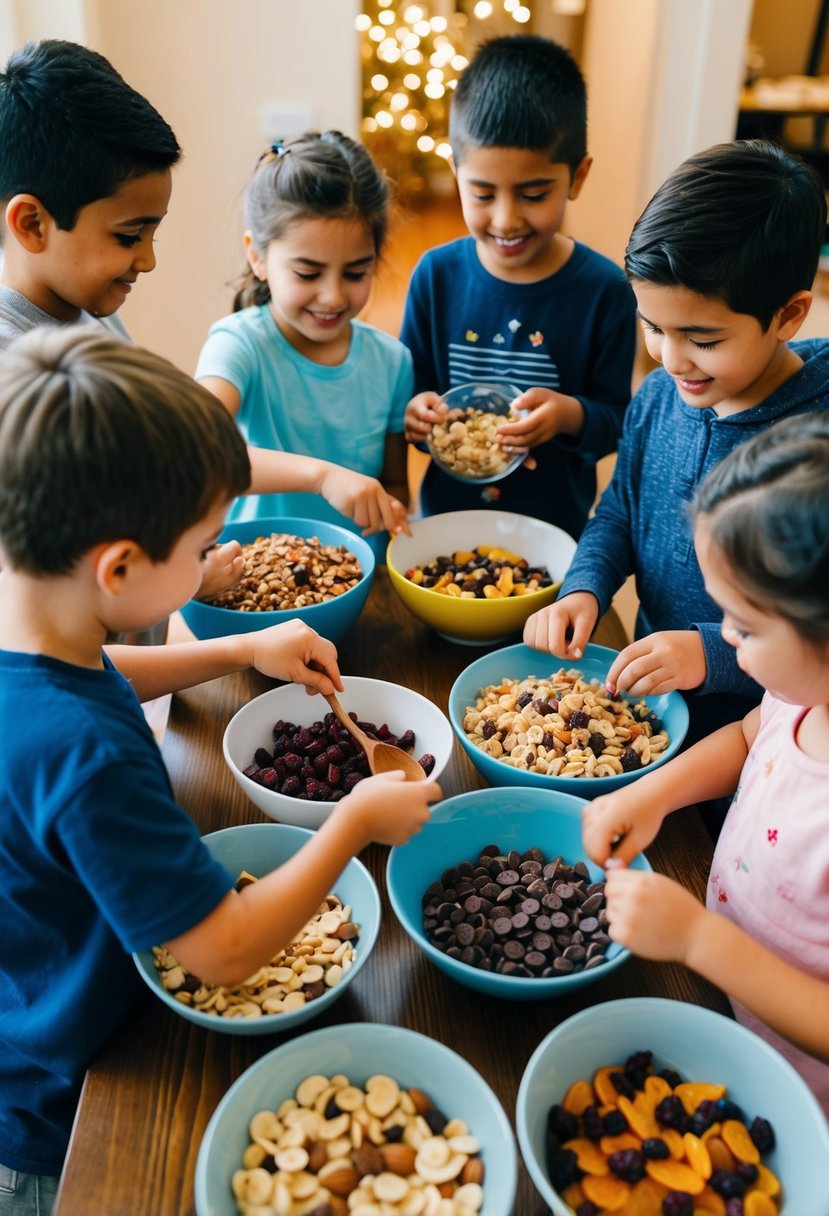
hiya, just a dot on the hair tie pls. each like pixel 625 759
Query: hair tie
pixel 276 149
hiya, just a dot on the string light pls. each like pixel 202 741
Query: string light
pixel 412 57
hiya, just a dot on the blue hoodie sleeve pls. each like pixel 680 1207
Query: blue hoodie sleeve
pixel 723 673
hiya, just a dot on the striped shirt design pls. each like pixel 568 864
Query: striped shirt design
pixel 525 370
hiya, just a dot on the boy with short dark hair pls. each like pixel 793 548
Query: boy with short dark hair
pixel 722 262
pixel 84 183
pixel 517 300
pixel 115 473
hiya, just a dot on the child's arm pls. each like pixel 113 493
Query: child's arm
pixel 248 928
pixel 565 626
pixel 659 919
pixel 361 498
pixel 395 476
pixel 284 652
pixel 622 824
pixel 660 662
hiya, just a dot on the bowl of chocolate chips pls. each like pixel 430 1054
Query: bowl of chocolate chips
pixel 496 892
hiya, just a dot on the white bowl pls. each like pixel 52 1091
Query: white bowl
pixel 702 1046
pixel 372 700
pixel 358 1050
pixel 477 622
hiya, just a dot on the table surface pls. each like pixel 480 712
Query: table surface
pixel 151 1091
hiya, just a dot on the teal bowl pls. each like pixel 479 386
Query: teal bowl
pixel 332 619
pixel 357 1050
pixel 457 830
pixel 702 1046
pixel 260 848
pixel 518 662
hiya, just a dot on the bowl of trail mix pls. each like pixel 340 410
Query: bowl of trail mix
pixel 475 576
pixel 523 719
pixel 645 1105
pixel 305 568
pixel 465 442
pixel 300 981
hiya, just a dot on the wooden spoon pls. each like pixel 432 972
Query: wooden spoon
pixel 382 757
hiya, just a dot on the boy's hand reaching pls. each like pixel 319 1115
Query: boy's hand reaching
pixel 389 808
pixel 422 412
pixel 364 500
pixel 546 414
pixel 617 826
pixel 565 627
pixel 221 570
pixel 294 652
pixel 658 663
pixel 652 915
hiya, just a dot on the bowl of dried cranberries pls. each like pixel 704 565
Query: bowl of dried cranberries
pixel 295 761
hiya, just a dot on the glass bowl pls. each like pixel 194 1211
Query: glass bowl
pixel 464 444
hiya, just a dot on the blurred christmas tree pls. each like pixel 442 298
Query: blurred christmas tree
pixel 411 59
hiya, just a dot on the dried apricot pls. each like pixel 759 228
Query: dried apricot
pixel 646 1198
pixel 578 1096
pixel 589 1156
pixel 606 1091
pixel 657 1088
pixel 573 1195
pixel 674 1141
pixel 608 1192
pixel 756 1203
pixel 709 1203
pixel 721 1155
pixel 639 1115
pixel 766 1181
pixel 676 1175
pixel 735 1135
pixel 697 1156
pixel 615 1144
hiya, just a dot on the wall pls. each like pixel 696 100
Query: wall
pixel 209 67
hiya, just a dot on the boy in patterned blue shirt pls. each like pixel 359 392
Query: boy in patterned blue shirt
pixel 516 300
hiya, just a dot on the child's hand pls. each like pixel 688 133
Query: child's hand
pixel 652 915
pixel 660 662
pixel 563 628
pixel 539 423
pixel 222 569
pixel 422 412
pixel 390 808
pixel 621 824
pixel 294 652
pixel 364 500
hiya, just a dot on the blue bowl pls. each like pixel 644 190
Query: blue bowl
pixel 702 1046
pixel 260 848
pixel 457 831
pixel 518 662
pixel 357 1050
pixel 332 619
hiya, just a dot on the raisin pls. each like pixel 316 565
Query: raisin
pixel 524 699
pixel 592 1123
pixel 655 1149
pixel 596 743
pixel 727 1183
pixel 620 1081
pixel 637 1068
pixel 762 1133
pixel 671 1113
pixel 263 757
pixel 678 1203
pixel 579 719
pixel 627 1164
pixel 488 729
pixel 630 760
pixel 563 1166
pixel 562 1123
pixel 705 1115
pixel 614 1123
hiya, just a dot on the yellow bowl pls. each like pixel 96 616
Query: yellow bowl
pixel 477 622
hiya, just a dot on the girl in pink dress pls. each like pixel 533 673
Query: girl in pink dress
pixel 762 539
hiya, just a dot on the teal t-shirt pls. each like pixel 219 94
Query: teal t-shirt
pixel 290 404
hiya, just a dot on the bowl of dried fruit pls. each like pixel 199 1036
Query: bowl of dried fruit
pixel 295 761
pixel 362 1117
pixel 299 982
pixel 496 892
pixel 475 576
pixel 465 442
pixel 524 718
pixel 294 568
pixel 649 1105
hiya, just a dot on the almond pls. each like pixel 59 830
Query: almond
pixel 368 1160
pixel 317 1156
pixel 447 1189
pixel 340 1181
pixel 473 1171
pixel 399 1158
pixel 422 1102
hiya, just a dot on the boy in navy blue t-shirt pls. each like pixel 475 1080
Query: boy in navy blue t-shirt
pixel 116 471
pixel 517 300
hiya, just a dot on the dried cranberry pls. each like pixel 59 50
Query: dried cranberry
pixel 678 1203
pixel 334 754
pixel 293 762
pixel 252 771
pixel 762 1133
pixel 655 1149
pixel 333 775
pixel 671 1113
pixel 592 1123
pixel 263 757
pixel 630 760
pixel 427 762
pixel 291 786
pixel 406 740
pixel 627 1164
pixel 302 738
pixel 268 777
pixel 727 1183
pixel 350 780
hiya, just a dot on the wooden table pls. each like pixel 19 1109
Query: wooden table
pixel 149 1095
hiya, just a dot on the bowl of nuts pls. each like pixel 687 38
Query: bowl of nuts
pixel 465 442
pixel 300 981
pixel 294 568
pixel 475 576
pixel 649 1105
pixel 295 761
pixel 496 893
pixel 523 719
pixel 362 1117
